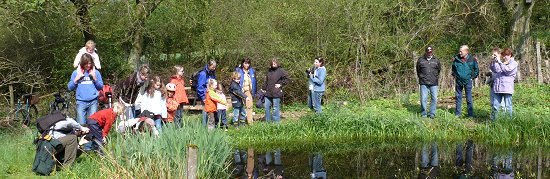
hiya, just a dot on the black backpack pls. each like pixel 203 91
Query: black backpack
pixel 44 123
pixel 195 80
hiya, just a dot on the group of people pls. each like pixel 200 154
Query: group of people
pixel 142 100
pixel 465 69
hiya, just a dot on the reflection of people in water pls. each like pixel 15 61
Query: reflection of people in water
pixel 317 168
pixel 501 166
pixel 429 164
pixel 464 161
pixel 264 166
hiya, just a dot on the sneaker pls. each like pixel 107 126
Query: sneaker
pixel 225 130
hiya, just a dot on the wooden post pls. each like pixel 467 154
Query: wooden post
pixel 12 97
pixel 539 164
pixel 192 157
pixel 547 64
pixel 539 66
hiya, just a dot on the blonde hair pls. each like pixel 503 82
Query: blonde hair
pixel 235 75
pixel 90 43
pixel 211 83
pixel 119 108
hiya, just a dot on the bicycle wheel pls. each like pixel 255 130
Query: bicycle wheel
pixel 20 116
pixel 33 115
pixel 70 111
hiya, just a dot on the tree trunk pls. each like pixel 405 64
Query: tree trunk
pixel 539 65
pixel 83 15
pixel 519 30
pixel 144 8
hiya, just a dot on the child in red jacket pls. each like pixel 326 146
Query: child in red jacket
pixel 100 123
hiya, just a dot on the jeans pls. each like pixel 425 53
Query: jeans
pixel 467 159
pixel 424 89
pixel 275 159
pixel 222 117
pixel 158 124
pixel 178 119
pixel 469 100
pixel 85 110
pixel 426 162
pixel 314 100
pixel 95 136
pixel 239 112
pixel 497 103
pixel 204 116
pixel 130 112
pixel 276 102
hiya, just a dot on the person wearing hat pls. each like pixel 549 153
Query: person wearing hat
pixel 427 69
pixel 171 102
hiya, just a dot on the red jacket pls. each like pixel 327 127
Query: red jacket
pixel 171 107
pixel 105 118
pixel 180 95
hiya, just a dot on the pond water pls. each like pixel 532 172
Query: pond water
pixel 422 160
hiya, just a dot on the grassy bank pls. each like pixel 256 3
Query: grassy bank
pixel 139 156
pixel 398 120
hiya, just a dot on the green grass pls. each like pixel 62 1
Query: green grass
pixel 397 120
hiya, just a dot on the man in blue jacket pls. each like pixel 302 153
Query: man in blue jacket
pixel 465 69
pixel 209 72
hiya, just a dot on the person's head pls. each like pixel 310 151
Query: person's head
pixel 212 84
pixel 156 84
pixel 319 62
pixel 86 62
pixel 178 70
pixel 212 65
pixel 496 52
pixel 429 51
pixel 245 63
pixel 170 89
pixel 90 46
pixel 275 63
pixel 507 54
pixel 236 76
pixel 464 51
pixel 144 72
pixel 219 89
pixel 119 108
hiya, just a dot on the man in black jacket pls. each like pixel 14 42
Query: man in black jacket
pixel 427 69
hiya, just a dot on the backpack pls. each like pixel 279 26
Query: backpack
pixel 105 93
pixel 44 159
pixel 195 80
pixel 45 123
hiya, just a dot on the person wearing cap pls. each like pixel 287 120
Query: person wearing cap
pixel 171 103
pixel 427 69
pixel 465 69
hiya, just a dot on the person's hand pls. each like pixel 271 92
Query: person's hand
pixel 85 130
pixel 104 140
pixel 248 99
pixel 78 76
pixel 263 91
pixel 277 85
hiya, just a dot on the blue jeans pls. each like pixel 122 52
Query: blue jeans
pixel 491 95
pixel 469 100
pixel 239 112
pixel 204 116
pixel 426 162
pixel 222 117
pixel 158 124
pixel 314 100
pixel 497 103
pixel 276 102
pixel 130 112
pixel 178 119
pixel 85 110
pixel 424 89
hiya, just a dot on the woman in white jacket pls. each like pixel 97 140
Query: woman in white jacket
pixel 89 48
pixel 154 101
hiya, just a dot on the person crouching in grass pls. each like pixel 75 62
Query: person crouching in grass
pixel 100 124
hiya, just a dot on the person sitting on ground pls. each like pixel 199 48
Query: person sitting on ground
pixel 90 49
pixel 64 131
pixel 100 124
pixel 144 123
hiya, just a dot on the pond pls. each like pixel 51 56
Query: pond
pixel 421 160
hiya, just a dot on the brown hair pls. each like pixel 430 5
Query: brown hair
pixel 151 90
pixel 235 75
pixel 220 87
pixel 246 60
pixel 506 51
pixel 85 59
pixel 496 49
pixel 276 61
pixel 177 68
pixel 321 60
pixel 144 70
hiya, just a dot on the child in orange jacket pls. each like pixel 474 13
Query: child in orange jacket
pixel 210 103
pixel 179 94
pixel 172 104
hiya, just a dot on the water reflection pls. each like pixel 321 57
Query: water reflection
pixel 427 160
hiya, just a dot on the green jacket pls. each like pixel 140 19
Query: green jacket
pixel 44 161
pixel 465 71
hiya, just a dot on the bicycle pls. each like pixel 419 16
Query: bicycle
pixel 63 103
pixel 26 113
